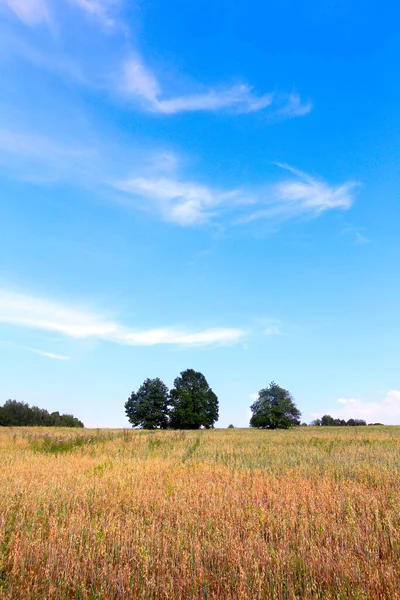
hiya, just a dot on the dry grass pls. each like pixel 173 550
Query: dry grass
pixel 235 514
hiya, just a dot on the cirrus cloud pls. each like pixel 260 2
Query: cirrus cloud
pixel 158 187
pixel 103 10
pixel 24 310
pixel 30 12
pixel 182 202
pixel 302 195
pixel 191 203
pixel 140 83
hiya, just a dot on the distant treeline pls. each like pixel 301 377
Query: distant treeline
pixel 328 421
pixel 20 414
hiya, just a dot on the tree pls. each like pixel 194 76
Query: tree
pixel 15 413
pixel 328 421
pixel 274 409
pixel 67 421
pixel 193 403
pixel 148 407
pixel 356 422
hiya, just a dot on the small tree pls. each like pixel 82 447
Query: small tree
pixel 148 407
pixel 356 422
pixel 274 409
pixel 327 421
pixel 193 402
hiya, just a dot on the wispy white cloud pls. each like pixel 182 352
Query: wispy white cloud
pixel 293 106
pixel 312 194
pixel 136 81
pixel 140 83
pixel 35 12
pixel 358 235
pixel 189 203
pixel 53 62
pixel 50 354
pixel 30 12
pixel 302 195
pixel 180 202
pixel 40 313
pixel 158 187
pixel 25 143
pixel 361 239
pixel 272 330
pixel 386 410
pixel 174 336
pixel 36 157
pixel 103 10
pixel 238 97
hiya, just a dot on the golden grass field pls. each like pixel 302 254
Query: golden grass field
pixel 218 514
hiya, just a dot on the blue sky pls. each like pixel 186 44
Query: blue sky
pixel 200 185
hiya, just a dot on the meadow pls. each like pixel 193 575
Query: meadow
pixel 216 514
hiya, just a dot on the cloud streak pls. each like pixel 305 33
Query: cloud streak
pixel 36 12
pixel 189 203
pixel 137 82
pixel 54 62
pixel 39 313
pixel 302 195
pixel 184 203
pixel 157 187
pixel 101 10
pixel 32 145
pixel 33 157
pixel 140 83
pixel 49 354
pixel 30 12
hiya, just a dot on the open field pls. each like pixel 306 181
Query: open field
pixel 224 514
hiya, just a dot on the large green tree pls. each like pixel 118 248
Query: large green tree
pixel 274 409
pixel 193 403
pixel 148 407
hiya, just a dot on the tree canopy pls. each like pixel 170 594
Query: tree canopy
pixel 328 421
pixel 14 413
pixel 274 409
pixel 148 407
pixel 193 403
